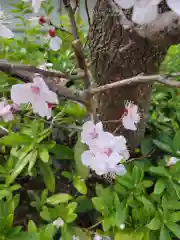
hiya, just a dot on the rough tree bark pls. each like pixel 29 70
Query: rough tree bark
pixel 119 49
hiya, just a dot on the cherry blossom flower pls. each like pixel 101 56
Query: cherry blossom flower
pixel 131 117
pixel 36 93
pixel 4 31
pixel 55 42
pixel 174 5
pixel 5 111
pixel 144 11
pixel 90 132
pixel 58 223
pixel 172 161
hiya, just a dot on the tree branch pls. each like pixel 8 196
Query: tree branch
pixel 77 45
pixel 137 79
pixel 7 67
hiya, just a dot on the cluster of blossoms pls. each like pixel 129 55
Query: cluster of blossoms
pixel 106 151
pixel 145 11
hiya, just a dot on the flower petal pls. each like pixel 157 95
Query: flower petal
pixel 55 43
pixel 128 123
pixel 144 15
pixel 87 157
pixel 174 5
pixel 6 32
pixel 120 170
pixel 21 93
pixel 125 4
pixel 8 117
pixel 41 108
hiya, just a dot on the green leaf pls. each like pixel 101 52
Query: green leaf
pixel 32 162
pixel 75 109
pixel 21 164
pixel 175 217
pixel 62 152
pixel 58 198
pixel 175 228
pixel 147 146
pixel 47 175
pixel 154 224
pixel 44 154
pixel 164 234
pixel 160 171
pixel 137 174
pixel 80 185
pixel 32 227
pixel 107 223
pixel 176 141
pixel 78 150
pixel 163 146
pixel 159 186
pixel 172 205
pixel 98 204
pixel 129 235
pixel 15 139
pixel 84 235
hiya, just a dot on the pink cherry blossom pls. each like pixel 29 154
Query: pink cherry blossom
pixel 131 117
pixel 5 111
pixel 91 132
pixel 36 93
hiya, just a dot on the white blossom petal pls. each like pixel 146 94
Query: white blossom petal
pixel 55 43
pixel 41 108
pixel 87 157
pixel 174 5
pixel 91 132
pixel 21 93
pixel 128 123
pixel 8 117
pixel 125 4
pixel 120 170
pixel 144 15
pixel 5 32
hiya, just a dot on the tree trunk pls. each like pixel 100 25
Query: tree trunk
pixel 118 52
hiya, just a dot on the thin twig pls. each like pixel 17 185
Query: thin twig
pixel 70 12
pixel 87 12
pixel 137 79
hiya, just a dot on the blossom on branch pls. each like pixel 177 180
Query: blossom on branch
pixel 55 41
pixel 36 93
pixel 131 116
